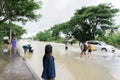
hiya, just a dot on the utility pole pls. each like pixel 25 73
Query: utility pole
pixel 10 32
pixel 9 23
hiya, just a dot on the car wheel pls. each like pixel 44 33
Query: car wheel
pixel 104 49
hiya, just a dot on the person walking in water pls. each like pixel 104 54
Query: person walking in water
pixel 49 72
pixel 90 49
pixel 84 48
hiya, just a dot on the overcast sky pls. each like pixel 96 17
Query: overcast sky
pixel 58 11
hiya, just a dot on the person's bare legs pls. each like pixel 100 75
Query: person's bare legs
pixel 85 55
pixel 81 54
pixel 89 54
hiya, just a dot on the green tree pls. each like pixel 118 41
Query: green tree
pixel 92 21
pixel 114 29
pixel 47 36
pixel 56 29
pixel 44 35
pixel 17 31
pixel 61 28
pixel 19 10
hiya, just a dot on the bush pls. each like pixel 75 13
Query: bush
pixel 60 40
pixel 111 39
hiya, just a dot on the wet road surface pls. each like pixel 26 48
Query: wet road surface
pixel 101 66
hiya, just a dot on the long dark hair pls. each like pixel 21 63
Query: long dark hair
pixel 48 51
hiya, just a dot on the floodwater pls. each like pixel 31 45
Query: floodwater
pixel 101 66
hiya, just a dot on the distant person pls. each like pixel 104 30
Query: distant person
pixel 14 45
pixel 90 49
pixel 30 49
pixel 66 45
pixel 25 47
pixel 84 48
pixel 14 48
pixel 48 64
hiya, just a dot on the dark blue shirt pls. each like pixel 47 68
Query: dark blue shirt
pixel 48 68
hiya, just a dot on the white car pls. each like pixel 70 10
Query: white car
pixel 102 46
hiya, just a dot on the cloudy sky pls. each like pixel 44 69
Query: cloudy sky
pixel 58 11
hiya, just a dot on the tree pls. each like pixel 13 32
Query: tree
pixel 92 21
pixel 114 29
pixel 44 35
pixel 17 31
pixel 61 28
pixel 56 31
pixel 19 10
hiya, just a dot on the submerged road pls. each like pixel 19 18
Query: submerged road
pixel 101 66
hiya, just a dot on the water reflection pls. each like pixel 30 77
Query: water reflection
pixel 27 56
pixel 14 55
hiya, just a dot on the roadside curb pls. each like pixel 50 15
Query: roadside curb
pixel 29 68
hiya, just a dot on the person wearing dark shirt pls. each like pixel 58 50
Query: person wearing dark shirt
pixel 25 47
pixel 48 64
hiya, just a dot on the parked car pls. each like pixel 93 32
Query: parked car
pixel 102 46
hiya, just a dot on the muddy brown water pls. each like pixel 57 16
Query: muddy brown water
pixel 68 64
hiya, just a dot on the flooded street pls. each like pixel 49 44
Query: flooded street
pixel 101 66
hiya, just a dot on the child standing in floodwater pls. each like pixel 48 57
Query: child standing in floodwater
pixel 48 64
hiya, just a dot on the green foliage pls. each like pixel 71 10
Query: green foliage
pixel 19 10
pixel 60 40
pixel 88 23
pixel 85 21
pixel 17 31
pixel 65 28
pixel 56 31
pixel 44 36
pixel 47 36
pixel 117 41
pixel 111 39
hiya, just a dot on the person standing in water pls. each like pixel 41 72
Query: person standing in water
pixel 14 48
pixel 49 72
pixel 14 45
pixel 66 45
